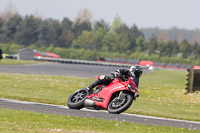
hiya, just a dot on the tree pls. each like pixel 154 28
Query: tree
pixel 66 24
pixel 43 31
pixel 83 16
pixel 99 35
pixel 132 34
pixel 195 51
pixel 49 33
pixel 109 41
pixel 161 48
pixel 54 33
pixel 116 24
pixel 101 24
pixel 9 12
pixel 122 43
pixel 27 31
pixel 167 49
pixel 135 32
pixel 1 30
pixel 152 45
pixel 10 28
pixel 84 40
pixel 79 27
pixel 140 44
pixel 82 22
pixel 175 49
pixel 67 36
pixel 184 48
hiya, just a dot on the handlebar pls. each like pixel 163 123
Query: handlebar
pixel 119 75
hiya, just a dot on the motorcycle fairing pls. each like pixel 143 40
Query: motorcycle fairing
pixel 103 97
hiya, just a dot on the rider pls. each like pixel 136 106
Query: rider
pixel 135 72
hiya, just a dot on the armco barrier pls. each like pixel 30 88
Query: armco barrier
pixel 193 80
pixel 84 62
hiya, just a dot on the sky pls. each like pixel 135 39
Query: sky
pixel 164 14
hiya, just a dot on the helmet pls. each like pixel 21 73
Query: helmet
pixel 136 70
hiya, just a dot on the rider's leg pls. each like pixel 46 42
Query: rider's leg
pixel 95 83
pixel 102 80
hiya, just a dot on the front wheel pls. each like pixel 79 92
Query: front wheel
pixel 76 100
pixel 117 105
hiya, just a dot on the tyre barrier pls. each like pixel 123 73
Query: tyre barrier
pixel 83 62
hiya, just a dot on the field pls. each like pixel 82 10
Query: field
pixel 13 121
pixel 162 92
pixel 16 62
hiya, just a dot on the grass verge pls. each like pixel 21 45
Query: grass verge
pixel 162 92
pixel 17 62
pixel 25 122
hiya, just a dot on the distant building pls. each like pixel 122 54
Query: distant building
pixel 25 54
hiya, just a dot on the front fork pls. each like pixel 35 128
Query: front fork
pixel 121 95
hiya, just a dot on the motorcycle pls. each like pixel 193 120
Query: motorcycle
pixel 115 97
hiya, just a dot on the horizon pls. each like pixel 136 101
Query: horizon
pixel 144 14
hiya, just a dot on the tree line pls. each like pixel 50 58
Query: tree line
pixel 93 36
pixel 173 33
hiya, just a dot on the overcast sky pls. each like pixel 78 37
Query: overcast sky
pixel 143 13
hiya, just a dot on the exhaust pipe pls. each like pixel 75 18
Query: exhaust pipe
pixel 89 103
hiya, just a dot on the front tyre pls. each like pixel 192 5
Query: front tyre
pixel 76 100
pixel 117 105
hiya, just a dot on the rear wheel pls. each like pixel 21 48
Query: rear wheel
pixel 76 100
pixel 118 105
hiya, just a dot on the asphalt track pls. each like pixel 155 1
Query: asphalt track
pixel 59 69
pixel 82 71
pixel 63 110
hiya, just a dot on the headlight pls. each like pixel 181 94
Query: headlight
pixel 131 87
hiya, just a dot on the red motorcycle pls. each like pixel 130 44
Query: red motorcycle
pixel 115 97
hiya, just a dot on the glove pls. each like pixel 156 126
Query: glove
pixel 115 74
pixel 130 74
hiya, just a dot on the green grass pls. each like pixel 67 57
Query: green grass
pixel 162 92
pixel 40 88
pixel 13 121
pixel 16 62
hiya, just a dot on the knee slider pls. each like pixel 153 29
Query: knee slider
pixel 102 77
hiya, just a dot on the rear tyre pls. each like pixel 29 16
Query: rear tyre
pixel 76 100
pixel 117 105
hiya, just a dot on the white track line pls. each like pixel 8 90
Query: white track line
pixel 84 109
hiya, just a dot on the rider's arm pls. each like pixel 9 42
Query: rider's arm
pixel 124 71
pixel 136 80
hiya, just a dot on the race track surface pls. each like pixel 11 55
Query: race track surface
pixel 82 71
pixel 63 110
pixel 59 69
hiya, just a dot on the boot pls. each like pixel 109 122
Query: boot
pixel 94 84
